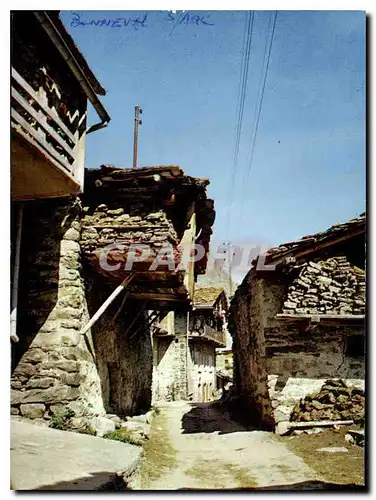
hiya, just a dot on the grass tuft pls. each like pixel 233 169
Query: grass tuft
pixel 124 436
pixel 159 454
pixel 61 420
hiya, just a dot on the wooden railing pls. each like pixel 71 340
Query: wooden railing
pixel 217 336
pixel 42 127
pixel 211 334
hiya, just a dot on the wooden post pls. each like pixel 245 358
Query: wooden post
pixel 104 306
pixel 229 269
pixel 137 122
pixel 16 272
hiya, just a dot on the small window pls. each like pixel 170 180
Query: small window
pixel 355 346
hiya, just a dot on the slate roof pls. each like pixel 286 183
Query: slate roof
pixel 306 244
pixel 207 295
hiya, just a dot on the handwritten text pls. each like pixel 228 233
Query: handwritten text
pixel 136 22
pixel 119 22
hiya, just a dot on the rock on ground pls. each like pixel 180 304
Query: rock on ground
pixel 334 449
pixel 102 425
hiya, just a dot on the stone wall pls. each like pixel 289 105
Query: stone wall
pixel 126 224
pixel 181 370
pixel 330 286
pixel 246 325
pixel 107 369
pixel 123 349
pixel 298 363
pixel 170 361
pixel 336 400
pixel 293 362
pixel 224 359
pixel 52 365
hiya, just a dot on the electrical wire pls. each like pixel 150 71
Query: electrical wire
pixel 242 91
pixel 257 120
pixel 238 108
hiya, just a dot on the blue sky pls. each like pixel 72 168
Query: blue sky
pixel 308 169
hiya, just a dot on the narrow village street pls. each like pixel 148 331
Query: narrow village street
pixel 188 292
pixel 202 448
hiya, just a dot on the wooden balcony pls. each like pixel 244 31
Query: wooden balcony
pixel 46 156
pixel 211 335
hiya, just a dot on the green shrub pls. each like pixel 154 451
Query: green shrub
pixel 61 419
pixel 87 430
pixel 124 436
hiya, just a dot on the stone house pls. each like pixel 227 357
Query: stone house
pixel 51 84
pixel 70 345
pixel 225 359
pixel 184 348
pixel 298 319
pixel 74 258
pixel 224 368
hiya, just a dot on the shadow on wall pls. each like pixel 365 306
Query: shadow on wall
pixel 123 348
pixel 211 417
pixel 42 230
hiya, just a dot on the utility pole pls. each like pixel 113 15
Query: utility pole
pixel 229 268
pixel 137 122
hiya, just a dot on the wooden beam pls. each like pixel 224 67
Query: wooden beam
pixel 135 190
pixel 283 428
pixel 130 180
pixel 115 316
pixel 158 297
pixel 152 318
pixel 321 317
pixel 128 228
pixel 16 273
pixel 104 306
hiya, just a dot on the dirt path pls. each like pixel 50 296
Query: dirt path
pixel 205 449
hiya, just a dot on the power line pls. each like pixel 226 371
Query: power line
pixel 257 121
pixel 242 91
pixel 238 125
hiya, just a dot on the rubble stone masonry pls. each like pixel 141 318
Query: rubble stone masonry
pixel 182 368
pixel 123 349
pixel 170 362
pixel 330 286
pixel 53 364
pixel 107 369
pixel 276 362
